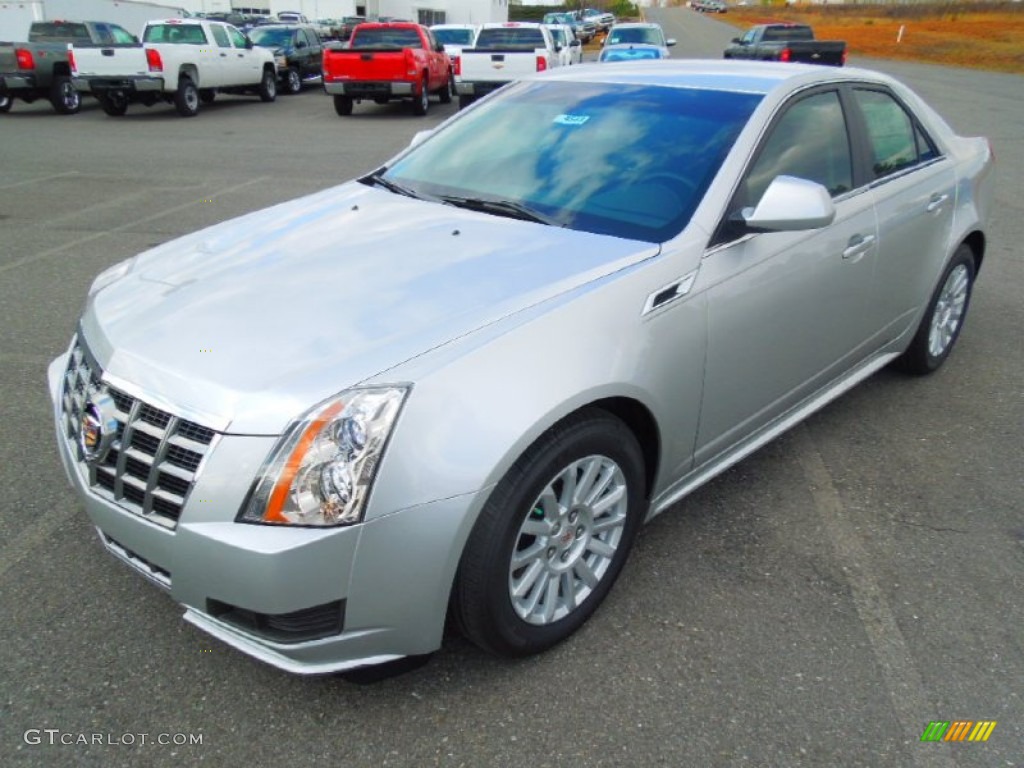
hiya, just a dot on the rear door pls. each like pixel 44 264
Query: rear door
pixel 914 189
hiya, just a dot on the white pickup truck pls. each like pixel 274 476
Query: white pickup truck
pixel 182 61
pixel 503 52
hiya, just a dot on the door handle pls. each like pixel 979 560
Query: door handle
pixel 858 246
pixel 936 202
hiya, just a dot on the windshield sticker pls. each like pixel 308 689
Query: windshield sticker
pixel 571 119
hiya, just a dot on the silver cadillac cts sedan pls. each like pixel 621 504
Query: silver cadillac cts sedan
pixel 455 387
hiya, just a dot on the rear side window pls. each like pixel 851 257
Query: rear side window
pixel 221 36
pixel 897 142
pixel 121 35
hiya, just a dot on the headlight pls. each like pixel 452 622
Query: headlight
pixel 321 471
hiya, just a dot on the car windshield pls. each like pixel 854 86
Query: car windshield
pixel 631 161
pixel 269 37
pixel 454 36
pixel 650 35
pixel 629 53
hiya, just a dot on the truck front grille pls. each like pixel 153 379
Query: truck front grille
pixel 151 462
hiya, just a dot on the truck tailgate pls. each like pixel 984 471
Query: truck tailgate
pixel 110 61
pixel 482 65
pixel 828 52
pixel 368 64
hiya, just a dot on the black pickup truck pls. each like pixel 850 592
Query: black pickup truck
pixel 39 68
pixel 786 42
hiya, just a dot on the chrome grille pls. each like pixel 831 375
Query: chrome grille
pixel 151 465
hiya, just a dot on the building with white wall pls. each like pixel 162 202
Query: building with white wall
pixel 425 11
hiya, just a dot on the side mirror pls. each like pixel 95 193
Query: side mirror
pixel 420 137
pixel 248 44
pixel 791 205
pixel 301 44
pixel 737 41
pixel 558 48
pixel 670 42
pixel 575 44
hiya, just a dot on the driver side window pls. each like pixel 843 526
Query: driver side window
pixel 810 141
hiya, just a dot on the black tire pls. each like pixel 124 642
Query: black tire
pixel 113 103
pixel 448 91
pixel 595 449
pixel 207 95
pixel 292 81
pixel 421 101
pixel 268 86
pixel 343 105
pixel 6 102
pixel 63 96
pixel 465 101
pixel 186 98
pixel 944 319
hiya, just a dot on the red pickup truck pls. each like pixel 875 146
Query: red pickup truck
pixel 385 61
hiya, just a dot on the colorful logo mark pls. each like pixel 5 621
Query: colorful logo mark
pixel 958 730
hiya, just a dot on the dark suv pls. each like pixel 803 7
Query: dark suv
pixel 298 51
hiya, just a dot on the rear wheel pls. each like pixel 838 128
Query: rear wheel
pixel 343 105
pixel 5 103
pixel 448 91
pixel 268 86
pixel 292 81
pixel 940 327
pixel 63 96
pixel 552 538
pixel 421 103
pixel 186 98
pixel 114 103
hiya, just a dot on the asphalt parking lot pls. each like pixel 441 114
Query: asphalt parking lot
pixel 817 605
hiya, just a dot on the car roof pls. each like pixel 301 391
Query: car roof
pixel 714 74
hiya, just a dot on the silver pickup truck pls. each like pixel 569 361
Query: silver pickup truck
pixel 503 53
pixel 181 61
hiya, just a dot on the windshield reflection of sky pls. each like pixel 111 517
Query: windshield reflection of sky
pixel 631 161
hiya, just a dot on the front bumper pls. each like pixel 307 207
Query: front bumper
pixel 371 89
pixel 126 84
pixel 306 600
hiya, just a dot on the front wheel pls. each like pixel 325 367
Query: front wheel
pixel 552 538
pixel 292 81
pixel 421 102
pixel 940 327
pixel 343 105
pixel 114 103
pixel 268 86
pixel 63 96
pixel 186 98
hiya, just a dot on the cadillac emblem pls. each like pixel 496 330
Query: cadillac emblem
pixel 98 427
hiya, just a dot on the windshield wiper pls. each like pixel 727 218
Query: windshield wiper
pixel 377 179
pixel 507 208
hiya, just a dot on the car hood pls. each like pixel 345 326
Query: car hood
pixel 247 324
